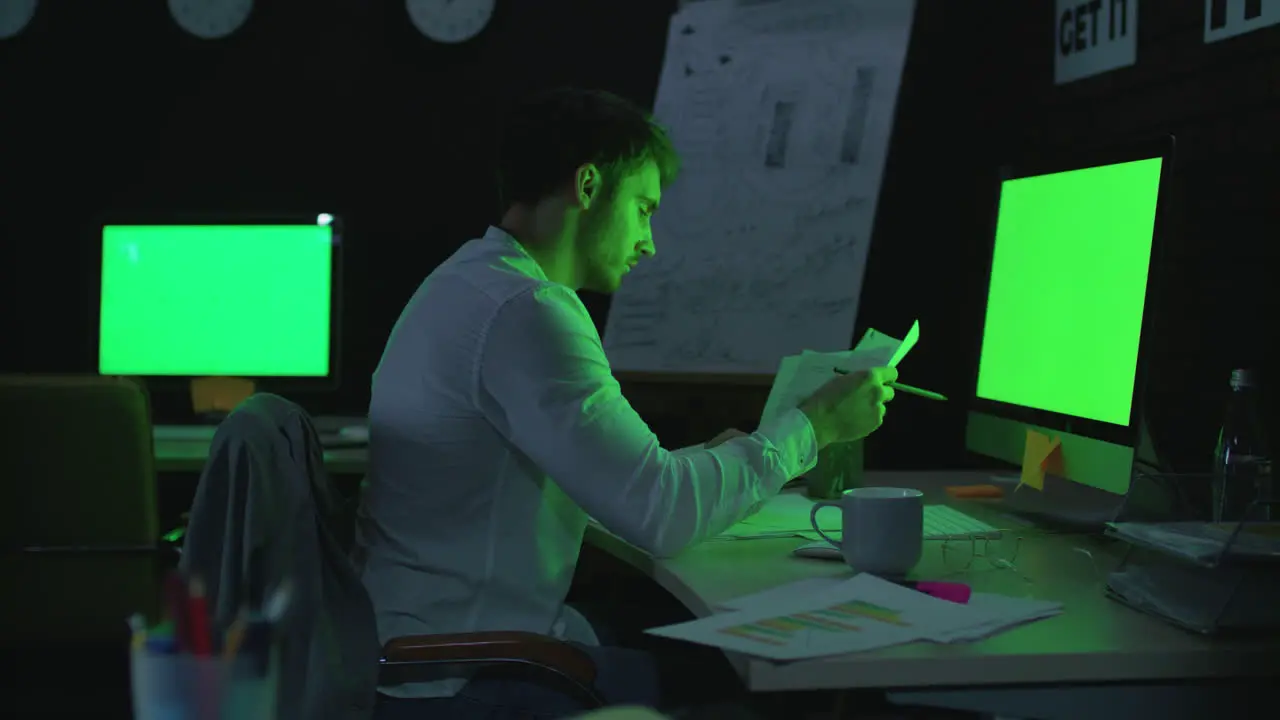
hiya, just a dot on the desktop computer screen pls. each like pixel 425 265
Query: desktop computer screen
pixel 1067 299
pixel 1067 290
pixel 236 300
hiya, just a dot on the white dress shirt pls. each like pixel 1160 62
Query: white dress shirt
pixel 496 430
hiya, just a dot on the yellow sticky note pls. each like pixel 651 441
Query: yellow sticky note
pixel 1041 455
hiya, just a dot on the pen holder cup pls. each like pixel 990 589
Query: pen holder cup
pixel 187 687
pixel 839 468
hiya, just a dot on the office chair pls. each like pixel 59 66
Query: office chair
pixel 80 551
pixel 265 512
pixel 79 521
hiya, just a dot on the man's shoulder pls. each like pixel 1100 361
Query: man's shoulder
pixel 545 306
pixel 507 280
pixel 489 269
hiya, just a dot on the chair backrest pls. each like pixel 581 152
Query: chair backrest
pixel 79 519
pixel 266 513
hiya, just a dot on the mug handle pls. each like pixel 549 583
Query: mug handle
pixel 813 520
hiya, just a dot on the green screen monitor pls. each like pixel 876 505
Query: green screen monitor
pixel 251 300
pixel 1068 299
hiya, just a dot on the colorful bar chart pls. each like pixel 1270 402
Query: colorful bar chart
pixel 858 608
pixel 837 618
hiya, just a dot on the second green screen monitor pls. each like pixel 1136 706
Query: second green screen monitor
pixel 216 300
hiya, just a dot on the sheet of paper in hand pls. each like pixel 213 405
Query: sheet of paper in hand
pixel 799 376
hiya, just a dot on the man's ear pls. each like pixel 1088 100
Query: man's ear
pixel 588 184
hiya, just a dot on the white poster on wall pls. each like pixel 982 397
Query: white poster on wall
pixel 1092 37
pixel 1228 18
pixel 782 111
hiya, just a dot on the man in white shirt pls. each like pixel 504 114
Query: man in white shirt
pixel 497 428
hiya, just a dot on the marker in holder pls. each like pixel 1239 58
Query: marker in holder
pixel 186 669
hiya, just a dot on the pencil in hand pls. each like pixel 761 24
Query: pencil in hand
pixel 909 389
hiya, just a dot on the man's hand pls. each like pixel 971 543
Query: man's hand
pixel 724 437
pixel 849 407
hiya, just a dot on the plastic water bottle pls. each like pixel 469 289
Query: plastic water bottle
pixel 1242 463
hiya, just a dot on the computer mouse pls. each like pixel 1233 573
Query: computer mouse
pixel 818 551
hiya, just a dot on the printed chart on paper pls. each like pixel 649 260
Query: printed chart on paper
pixel 849 617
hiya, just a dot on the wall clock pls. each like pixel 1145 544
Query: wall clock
pixel 14 16
pixel 450 21
pixel 210 19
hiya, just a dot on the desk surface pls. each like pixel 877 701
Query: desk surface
pixel 190 456
pixel 1094 639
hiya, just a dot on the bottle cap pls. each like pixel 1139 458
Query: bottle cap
pixel 1241 378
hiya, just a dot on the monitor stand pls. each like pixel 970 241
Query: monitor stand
pixel 1063 505
pixel 1070 506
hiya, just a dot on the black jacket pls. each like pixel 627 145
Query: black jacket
pixel 265 512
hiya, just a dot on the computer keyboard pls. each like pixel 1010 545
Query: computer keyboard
pixel 946 523
pixel 184 432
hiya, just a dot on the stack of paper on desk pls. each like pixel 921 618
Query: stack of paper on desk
pixel 1006 612
pixel 783 515
pixel 1176 575
pixel 799 376
pixel 1202 542
pixel 1011 610
pixel 816 618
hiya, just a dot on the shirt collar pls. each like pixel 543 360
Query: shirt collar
pixel 526 264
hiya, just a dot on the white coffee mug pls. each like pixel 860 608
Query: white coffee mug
pixel 883 529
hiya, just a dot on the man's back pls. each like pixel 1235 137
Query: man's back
pixel 447 493
pixel 494 382
pixel 496 428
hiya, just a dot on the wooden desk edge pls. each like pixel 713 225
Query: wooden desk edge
pixel 870 670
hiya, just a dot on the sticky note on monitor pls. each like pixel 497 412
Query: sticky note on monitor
pixel 1041 455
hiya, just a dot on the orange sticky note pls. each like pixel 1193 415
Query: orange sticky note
pixel 1052 463
pixel 1041 455
pixel 975 492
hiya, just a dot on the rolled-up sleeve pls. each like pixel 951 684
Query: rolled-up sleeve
pixel 546 385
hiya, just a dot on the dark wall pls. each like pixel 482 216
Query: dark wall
pixel 343 107
pixel 313 105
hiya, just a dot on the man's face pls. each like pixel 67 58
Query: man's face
pixel 615 230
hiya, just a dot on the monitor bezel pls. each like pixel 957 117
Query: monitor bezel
pixel 304 383
pixel 1064 161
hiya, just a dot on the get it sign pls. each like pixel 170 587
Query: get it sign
pixel 1093 36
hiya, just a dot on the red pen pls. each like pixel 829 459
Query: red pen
pixel 198 620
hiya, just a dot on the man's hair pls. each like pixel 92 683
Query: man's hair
pixel 549 136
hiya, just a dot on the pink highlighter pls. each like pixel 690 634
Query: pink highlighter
pixel 953 592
